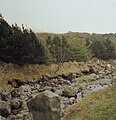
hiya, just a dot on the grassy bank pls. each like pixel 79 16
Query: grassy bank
pixel 32 73
pixel 100 105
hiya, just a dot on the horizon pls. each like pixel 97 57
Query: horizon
pixel 52 16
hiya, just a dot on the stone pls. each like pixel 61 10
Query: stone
pixel 5 96
pixel 27 116
pixel 72 100
pixel 24 105
pixel 79 96
pixel 2 118
pixel 5 109
pixel 24 88
pixel 15 93
pixel 69 91
pixel 45 106
pixel 15 104
pixel 71 76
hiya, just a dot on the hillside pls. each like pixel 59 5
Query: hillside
pixel 100 105
pixel 73 36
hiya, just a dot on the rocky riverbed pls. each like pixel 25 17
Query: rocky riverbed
pixel 70 89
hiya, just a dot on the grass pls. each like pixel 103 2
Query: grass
pixel 33 73
pixel 100 105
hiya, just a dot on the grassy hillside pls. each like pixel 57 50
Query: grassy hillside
pixel 100 105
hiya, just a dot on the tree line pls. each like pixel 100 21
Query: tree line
pixel 20 45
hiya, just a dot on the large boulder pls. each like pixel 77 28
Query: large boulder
pixel 45 106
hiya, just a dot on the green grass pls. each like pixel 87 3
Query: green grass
pixel 100 105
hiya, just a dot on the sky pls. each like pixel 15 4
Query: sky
pixel 60 16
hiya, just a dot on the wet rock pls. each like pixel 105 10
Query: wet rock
pixel 45 106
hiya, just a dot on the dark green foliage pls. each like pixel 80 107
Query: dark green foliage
pixel 103 49
pixel 20 46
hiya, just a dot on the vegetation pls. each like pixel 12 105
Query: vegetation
pixel 20 46
pixel 63 51
pixel 103 49
pixel 100 105
pixel 85 45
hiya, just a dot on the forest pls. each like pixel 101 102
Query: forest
pixel 20 45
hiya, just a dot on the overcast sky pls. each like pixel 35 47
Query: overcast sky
pixel 62 15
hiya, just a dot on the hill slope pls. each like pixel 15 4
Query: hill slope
pixel 73 36
pixel 100 105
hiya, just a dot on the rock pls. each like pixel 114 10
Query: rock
pixel 5 109
pixel 72 100
pixel 15 93
pixel 66 101
pixel 24 105
pixel 2 118
pixel 15 83
pixel 71 76
pixel 108 67
pixel 15 104
pixel 27 116
pixel 11 117
pixel 5 96
pixel 19 116
pixel 15 112
pixel 69 91
pixel 79 96
pixel 58 91
pixel 45 106
pixel 24 89
pixel 93 69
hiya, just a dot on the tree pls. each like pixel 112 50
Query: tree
pixel 80 52
pixel 62 51
pixel 59 48
pixel 103 49
pixel 20 45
